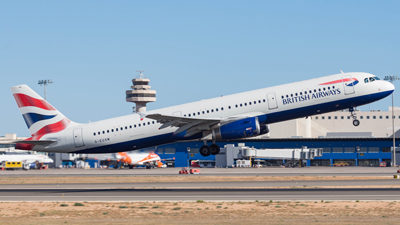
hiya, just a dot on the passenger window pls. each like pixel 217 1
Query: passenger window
pixel 259 101
pixel 122 128
pixel 240 105
pixel 130 126
pixel 245 104
pixel 134 126
pixel 282 96
pixel 116 129
pixel 256 102
pixel 104 132
pixel 287 96
pixel 212 110
pixel 144 124
pixel 329 88
pixel 229 107
pixel 263 100
pixel 126 128
pixel 366 80
pixel 208 111
pixel 94 134
pixel 291 95
pixel 112 130
pixel 249 103
pixel 198 113
pixel 98 133
pixel 108 131
pixel 301 93
pixel 222 108
pixel 148 123
pixel 216 109
pixel 203 112
pixel 296 94
pixel 236 106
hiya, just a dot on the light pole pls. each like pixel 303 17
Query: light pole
pixel 188 164
pixel 392 79
pixel 45 83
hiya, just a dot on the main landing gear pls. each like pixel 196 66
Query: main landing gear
pixel 356 122
pixel 206 150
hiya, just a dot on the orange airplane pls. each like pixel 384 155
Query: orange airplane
pixel 150 160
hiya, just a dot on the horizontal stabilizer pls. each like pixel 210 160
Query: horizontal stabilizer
pixel 35 142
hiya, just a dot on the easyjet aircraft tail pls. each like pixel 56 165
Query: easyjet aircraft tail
pixel 40 117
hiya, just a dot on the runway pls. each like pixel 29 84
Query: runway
pixel 265 171
pixel 198 194
pixel 196 185
pixel 288 189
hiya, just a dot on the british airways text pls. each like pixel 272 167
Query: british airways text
pixel 310 96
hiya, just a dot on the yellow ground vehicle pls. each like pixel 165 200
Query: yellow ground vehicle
pixel 13 165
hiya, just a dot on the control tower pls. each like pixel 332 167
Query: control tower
pixel 140 93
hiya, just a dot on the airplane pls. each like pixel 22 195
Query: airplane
pixel 230 117
pixel 150 160
pixel 25 158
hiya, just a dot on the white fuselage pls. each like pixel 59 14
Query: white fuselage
pixel 279 103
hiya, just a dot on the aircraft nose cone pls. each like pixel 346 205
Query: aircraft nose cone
pixel 389 86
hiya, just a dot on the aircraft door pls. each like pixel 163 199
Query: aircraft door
pixel 178 113
pixel 78 138
pixel 348 85
pixel 272 103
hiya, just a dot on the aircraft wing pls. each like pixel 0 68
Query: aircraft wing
pixel 35 142
pixel 192 126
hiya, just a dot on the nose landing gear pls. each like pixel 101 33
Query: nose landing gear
pixel 356 122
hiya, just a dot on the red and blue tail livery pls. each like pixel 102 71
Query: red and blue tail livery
pixel 40 117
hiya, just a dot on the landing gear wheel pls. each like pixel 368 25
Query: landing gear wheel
pixel 214 149
pixel 356 122
pixel 205 150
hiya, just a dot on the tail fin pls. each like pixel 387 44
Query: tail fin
pixel 40 117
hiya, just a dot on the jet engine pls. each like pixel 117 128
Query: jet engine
pixel 248 127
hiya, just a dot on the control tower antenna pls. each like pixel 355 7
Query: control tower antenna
pixel 140 93
pixel 141 73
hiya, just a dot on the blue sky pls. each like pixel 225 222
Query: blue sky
pixel 191 50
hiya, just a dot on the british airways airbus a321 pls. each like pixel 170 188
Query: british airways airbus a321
pixel 229 117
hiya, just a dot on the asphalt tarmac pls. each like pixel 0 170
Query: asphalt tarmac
pixel 208 191
pixel 199 194
pixel 197 185
pixel 266 171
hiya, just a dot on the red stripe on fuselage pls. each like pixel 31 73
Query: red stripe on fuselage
pixel 25 100
pixel 339 81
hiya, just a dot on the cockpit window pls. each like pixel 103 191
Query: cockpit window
pixel 371 79
pixel 366 80
pixel 376 78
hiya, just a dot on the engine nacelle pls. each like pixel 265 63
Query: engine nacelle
pixel 248 127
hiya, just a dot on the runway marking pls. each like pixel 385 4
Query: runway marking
pixel 189 196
